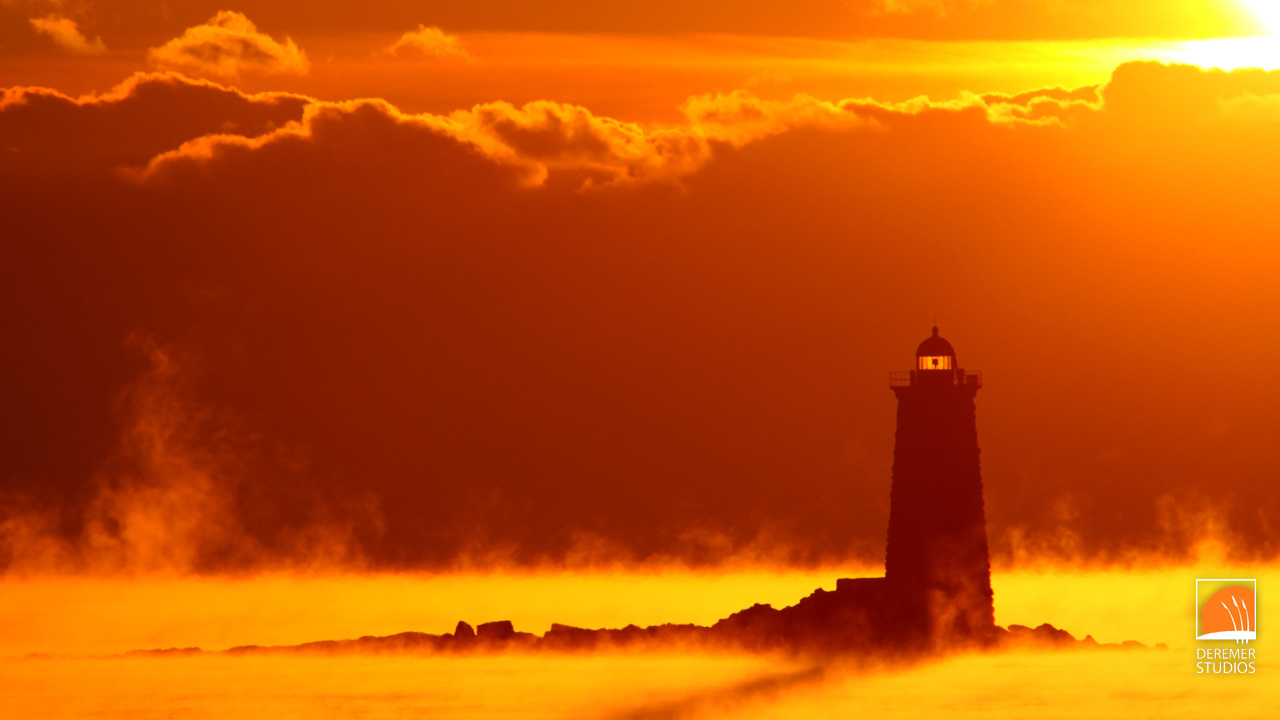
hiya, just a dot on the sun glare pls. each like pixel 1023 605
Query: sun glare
pixel 1260 51
pixel 1267 12
pixel 1227 53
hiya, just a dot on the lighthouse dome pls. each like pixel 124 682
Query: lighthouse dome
pixel 935 345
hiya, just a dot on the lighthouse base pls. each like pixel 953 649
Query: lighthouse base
pixel 874 615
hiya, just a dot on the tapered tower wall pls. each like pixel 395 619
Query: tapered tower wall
pixel 937 558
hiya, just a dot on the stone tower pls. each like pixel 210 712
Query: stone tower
pixel 937 563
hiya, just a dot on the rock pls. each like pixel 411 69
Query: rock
pixel 567 637
pixel 499 631
pixel 1053 635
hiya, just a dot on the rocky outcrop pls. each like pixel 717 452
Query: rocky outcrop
pixel 857 619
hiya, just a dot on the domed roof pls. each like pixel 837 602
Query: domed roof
pixel 934 345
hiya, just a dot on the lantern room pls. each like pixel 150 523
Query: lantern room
pixel 935 353
pixel 935 365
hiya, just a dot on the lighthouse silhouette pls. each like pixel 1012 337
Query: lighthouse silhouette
pixel 936 590
pixel 937 560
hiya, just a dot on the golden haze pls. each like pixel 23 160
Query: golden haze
pixel 379 316
pixel 1122 603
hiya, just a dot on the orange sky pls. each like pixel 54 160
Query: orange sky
pixel 402 285
pixel 135 22
pixel 636 61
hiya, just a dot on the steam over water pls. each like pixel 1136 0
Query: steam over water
pixel 1139 684
pixel 80 622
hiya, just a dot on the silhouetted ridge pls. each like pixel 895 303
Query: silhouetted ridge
pixel 825 623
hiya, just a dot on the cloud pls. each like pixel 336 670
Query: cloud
pixel 739 117
pixel 558 137
pixel 1182 93
pixel 66 34
pixel 545 141
pixel 229 45
pixel 48 132
pixel 1252 109
pixel 429 42
pixel 1046 105
pixel 530 144
pixel 162 120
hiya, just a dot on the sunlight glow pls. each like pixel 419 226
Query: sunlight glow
pixel 1261 51
pixel 1227 53
pixel 1267 12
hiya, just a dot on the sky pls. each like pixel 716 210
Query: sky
pixel 437 285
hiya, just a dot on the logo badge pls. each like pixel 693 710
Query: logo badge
pixel 1227 609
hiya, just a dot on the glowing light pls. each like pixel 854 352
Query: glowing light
pixel 1261 51
pixel 935 362
pixel 1227 53
pixel 1267 12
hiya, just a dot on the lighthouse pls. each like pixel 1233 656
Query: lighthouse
pixel 937 561
pixel 936 590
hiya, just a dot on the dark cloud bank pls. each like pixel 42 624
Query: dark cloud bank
pixel 536 335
